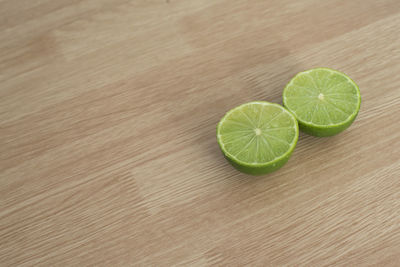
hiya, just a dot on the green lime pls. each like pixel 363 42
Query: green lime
pixel 257 137
pixel 324 101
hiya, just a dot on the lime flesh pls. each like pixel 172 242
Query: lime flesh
pixel 324 101
pixel 257 137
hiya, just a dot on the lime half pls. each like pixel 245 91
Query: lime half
pixel 257 137
pixel 324 101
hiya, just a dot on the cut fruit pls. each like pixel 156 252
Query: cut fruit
pixel 324 101
pixel 258 137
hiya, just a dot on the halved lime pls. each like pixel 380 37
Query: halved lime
pixel 324 101
pixel 257 137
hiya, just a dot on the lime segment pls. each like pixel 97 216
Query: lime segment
pixel 257 137
pixel 324 101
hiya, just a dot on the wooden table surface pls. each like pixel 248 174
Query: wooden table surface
pixel 108 113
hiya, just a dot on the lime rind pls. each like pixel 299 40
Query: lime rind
pixel 327 129
pixel 257 168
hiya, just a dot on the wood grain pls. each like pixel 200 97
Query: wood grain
pixel 108 112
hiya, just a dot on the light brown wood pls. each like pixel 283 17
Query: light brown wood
pixel 108 112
